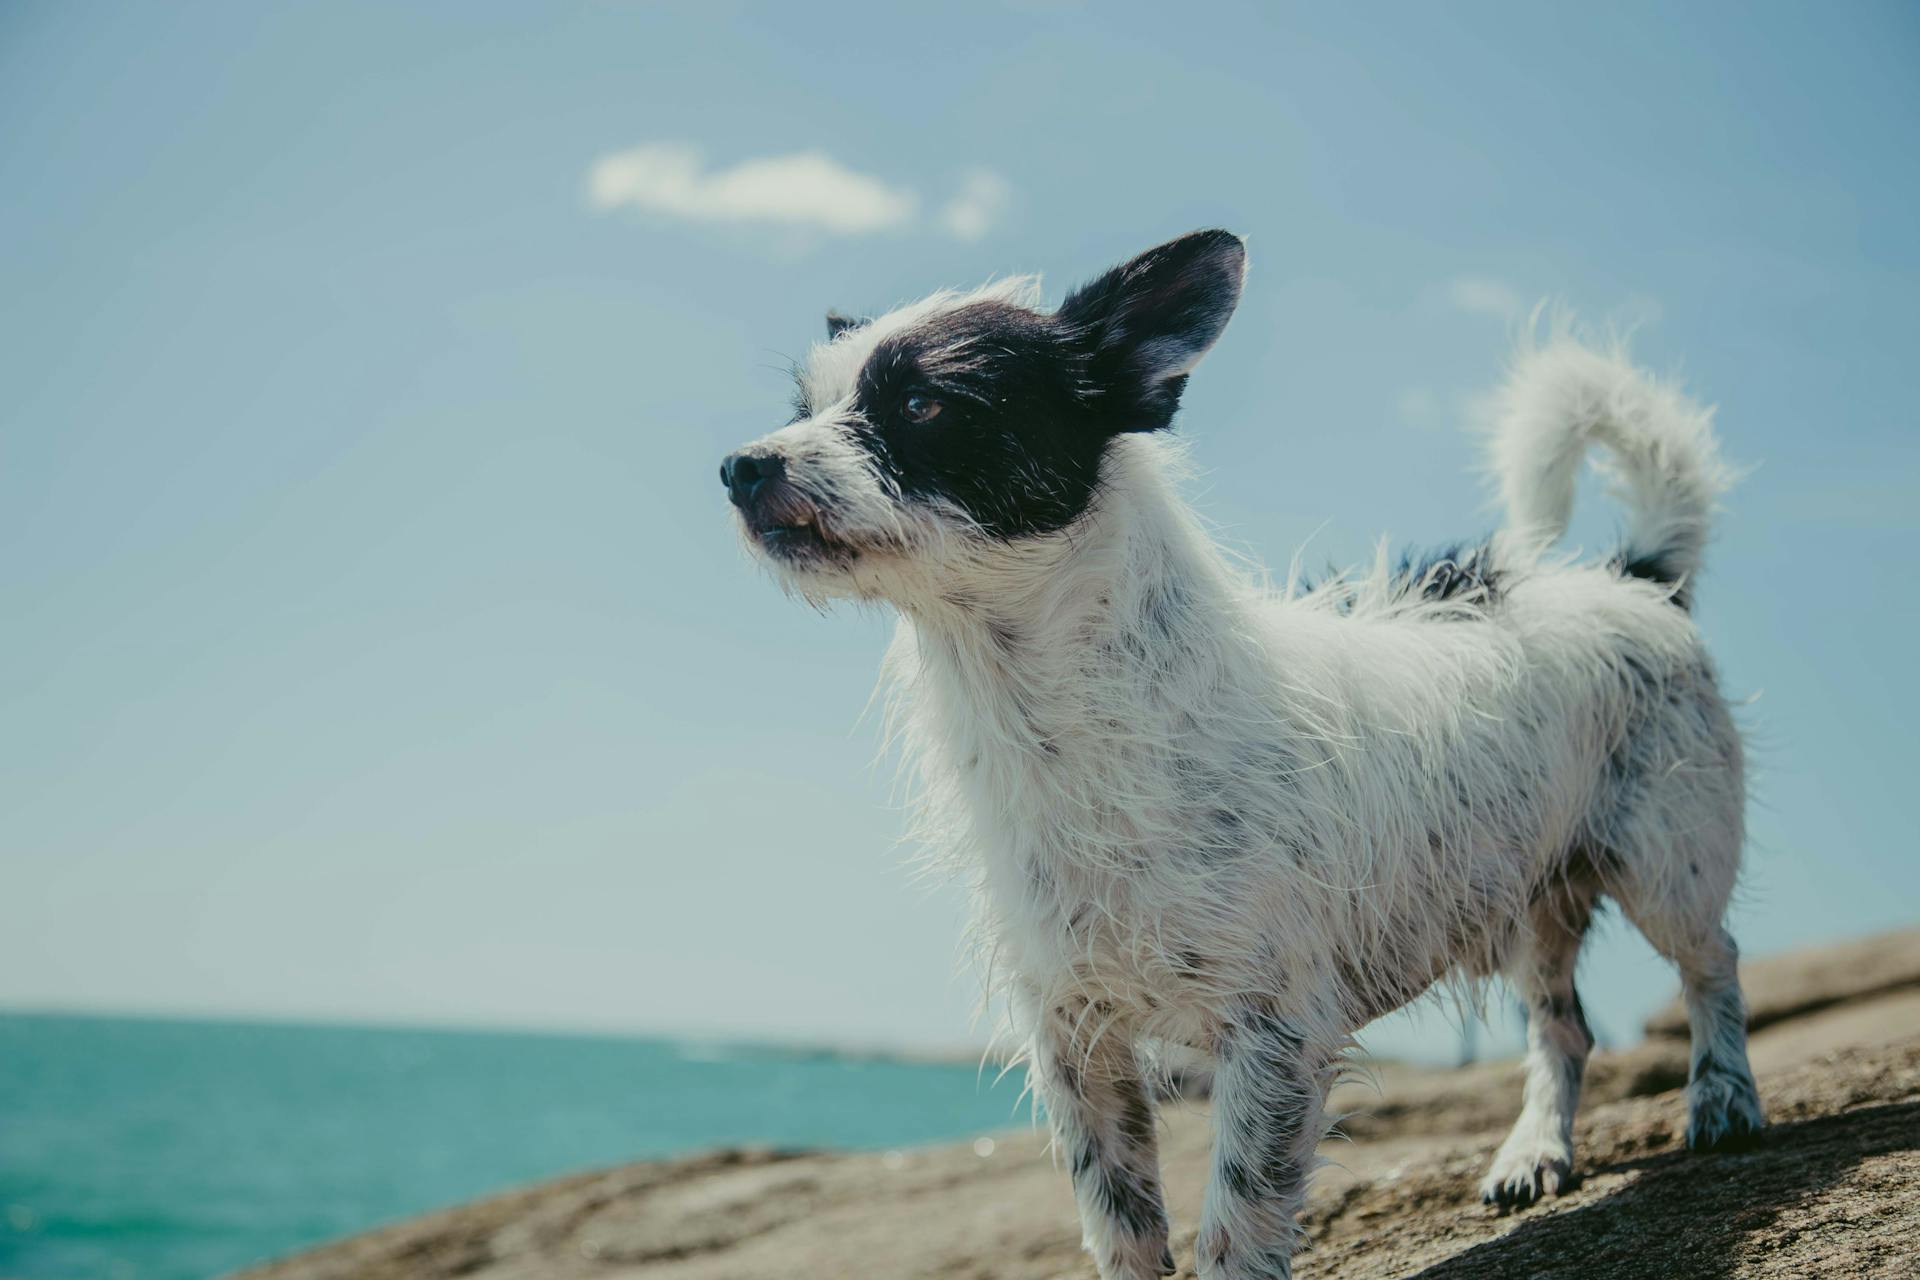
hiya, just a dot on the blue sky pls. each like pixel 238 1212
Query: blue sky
pixel 375 641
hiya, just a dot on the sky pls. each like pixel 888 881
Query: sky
pixel 374 640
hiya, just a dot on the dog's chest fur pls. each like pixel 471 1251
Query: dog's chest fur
pixel 1080 747
pixel 1075 831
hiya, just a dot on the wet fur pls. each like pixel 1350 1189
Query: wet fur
pixel 1200 810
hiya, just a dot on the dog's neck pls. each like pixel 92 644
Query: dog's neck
pixel 1067 634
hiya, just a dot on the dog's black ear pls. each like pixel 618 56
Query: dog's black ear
pixel 1147 322
pixel 838 324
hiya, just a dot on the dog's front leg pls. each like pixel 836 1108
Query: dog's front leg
pixel 1269 1088
pixel 1103 1126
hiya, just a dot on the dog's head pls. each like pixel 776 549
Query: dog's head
pixel 939 435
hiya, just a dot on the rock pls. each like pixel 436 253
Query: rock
pixel 1796 983
pixel 1833 1190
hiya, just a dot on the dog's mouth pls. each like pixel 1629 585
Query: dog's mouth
pixel 784 523
pixel 792 536
pixel 789 529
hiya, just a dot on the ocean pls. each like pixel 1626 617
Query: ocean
pixel 147 1149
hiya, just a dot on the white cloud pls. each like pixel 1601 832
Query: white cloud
pixel 983 200
pixel 1479 295
pixel 805 189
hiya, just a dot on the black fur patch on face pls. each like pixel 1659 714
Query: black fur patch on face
pixel 1014 441
pixel 1006 412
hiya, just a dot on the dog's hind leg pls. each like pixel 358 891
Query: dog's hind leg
pixel 1537 1157
pixel 1723 1105
pixel 1680 913
pixel 1680 916
pixel 1673 827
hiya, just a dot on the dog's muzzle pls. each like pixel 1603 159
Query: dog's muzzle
pixel 778 516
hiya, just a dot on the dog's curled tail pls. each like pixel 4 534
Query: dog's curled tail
pixel 1662 463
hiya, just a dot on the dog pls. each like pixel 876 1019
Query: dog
pixel 1201 810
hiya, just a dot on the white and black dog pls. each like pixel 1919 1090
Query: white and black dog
pixel 1201 810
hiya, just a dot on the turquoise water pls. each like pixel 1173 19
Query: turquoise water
pixel 160 1150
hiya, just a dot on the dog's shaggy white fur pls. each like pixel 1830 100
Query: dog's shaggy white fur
pixel 1204 811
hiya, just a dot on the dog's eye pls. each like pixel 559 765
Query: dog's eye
pixel 921 408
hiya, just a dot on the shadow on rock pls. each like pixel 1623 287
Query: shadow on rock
pixel 1690 1216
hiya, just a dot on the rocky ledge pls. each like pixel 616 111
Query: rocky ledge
pixel 1834 1189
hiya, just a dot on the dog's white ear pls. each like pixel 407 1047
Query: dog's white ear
pixel 1147 322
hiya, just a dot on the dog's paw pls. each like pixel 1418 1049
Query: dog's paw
pixel 1215 1257
pixel 1723 1112
pixel 1135 1260
pixel 1518 1178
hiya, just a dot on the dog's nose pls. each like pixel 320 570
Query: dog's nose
pixel 747 472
